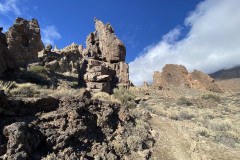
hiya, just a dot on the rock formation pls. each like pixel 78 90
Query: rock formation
pixel 100 66
pixel 105 53
pixel 24 40
pixel 7 61
pixel 64 60
pixel 78 128
pixel 177 76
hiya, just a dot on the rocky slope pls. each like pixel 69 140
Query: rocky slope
pixel 226 73
pixel 70 128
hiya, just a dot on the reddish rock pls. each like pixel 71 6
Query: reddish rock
pixel 177 76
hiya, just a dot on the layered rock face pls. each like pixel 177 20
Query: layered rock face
pixel 177 76
pixel 105 53
pixel 7 61
pixel 24 40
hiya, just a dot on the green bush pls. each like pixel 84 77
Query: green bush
pixel 125 96
pixel 39 70
pixel 211 96
pixel 33 77
pixel 184 101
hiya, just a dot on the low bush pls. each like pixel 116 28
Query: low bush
pixel 7 86
pixel 24 90
pixel 103 96
pixel 39 70
pixel 186 115
pixel 125 96
pixel 184 101
pixel 211 96
pixel 33 77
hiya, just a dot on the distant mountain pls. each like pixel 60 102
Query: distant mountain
pixel 226 73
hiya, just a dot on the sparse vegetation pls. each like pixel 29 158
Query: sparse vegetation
pixel 24 90
pixel 211 96
pixel 125 96
pixel 33 77
pixel 7 86
pixel 184 101
pixel 39 70
pixel 103 96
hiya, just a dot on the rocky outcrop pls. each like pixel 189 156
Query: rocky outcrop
pixel 79 128
pixel 105 54
pixel 100 66
pixel 7 61
pixel 112 49
pixel 177 76
pixel 24 40
pixel 66 60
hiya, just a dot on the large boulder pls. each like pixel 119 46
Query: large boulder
pixel 7 61
pixel 24 40
pixel 177 76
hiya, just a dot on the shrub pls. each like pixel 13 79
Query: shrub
pixel 173 116
pixel 211 96
pixel 24 90
pixel 125 96
pixel 39 70
pixel 186 115
pixel 184 101
pixel 7 86
pixel 202 132
pixel 103 96
pixel 33 77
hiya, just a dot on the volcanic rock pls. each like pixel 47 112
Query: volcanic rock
pixel 7 60
pixel 78 127
pixel 177 76
pixel 112 49
pixel 24 40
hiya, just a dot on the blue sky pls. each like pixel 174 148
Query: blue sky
pixel 137 22
pixel 200 34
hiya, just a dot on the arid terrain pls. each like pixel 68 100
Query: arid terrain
pixel 78 103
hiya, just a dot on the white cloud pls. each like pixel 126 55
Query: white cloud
pixel 212 43
pixel 49 34
pixel 10 6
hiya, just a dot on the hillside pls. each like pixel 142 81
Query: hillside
pixel 226 73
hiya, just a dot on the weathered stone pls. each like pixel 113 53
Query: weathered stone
pixel 7 60
pixel 21 140
pixel 24 40
pixel 112 49
pixel 202 81
pixel 145 85
pixel 52 65
pixel 177 76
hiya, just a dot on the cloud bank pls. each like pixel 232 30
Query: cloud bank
pixel 212 43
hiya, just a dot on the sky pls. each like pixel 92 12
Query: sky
pixel 199 34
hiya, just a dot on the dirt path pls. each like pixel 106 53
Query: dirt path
pixel 170 144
